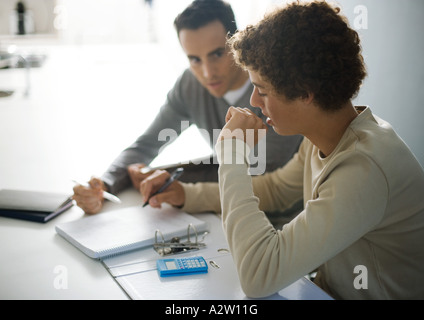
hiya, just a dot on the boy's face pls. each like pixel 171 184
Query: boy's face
pixel 285 116
pixel 210 59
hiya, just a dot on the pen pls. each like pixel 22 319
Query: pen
pixel 106 194
pixel 174 176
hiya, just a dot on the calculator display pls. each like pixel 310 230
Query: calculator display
pixel 182 266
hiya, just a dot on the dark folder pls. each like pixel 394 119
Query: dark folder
pixel 39 206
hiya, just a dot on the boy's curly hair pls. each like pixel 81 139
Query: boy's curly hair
pixel 302 49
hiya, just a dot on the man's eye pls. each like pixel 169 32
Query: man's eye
pixel 219 54
pixel 194 60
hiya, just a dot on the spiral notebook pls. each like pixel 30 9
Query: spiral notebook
pixel 111 233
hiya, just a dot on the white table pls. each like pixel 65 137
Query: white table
pixel 136 272
pixel 36 263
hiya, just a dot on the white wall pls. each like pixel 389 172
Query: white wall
pixel 393 47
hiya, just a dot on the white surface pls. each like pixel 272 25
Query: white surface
pixel 33 257
pixel 136 272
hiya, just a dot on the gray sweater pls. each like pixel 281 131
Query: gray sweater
pixel 189 101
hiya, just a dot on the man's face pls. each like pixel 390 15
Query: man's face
pixel 210 59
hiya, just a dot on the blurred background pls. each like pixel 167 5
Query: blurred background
pixel 81 79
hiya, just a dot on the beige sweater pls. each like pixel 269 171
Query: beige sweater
pixel 364 208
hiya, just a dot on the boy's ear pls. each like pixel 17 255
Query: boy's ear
pixel 309 98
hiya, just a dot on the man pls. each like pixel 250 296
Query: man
pixel 202 96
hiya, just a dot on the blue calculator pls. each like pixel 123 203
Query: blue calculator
pixel 181 266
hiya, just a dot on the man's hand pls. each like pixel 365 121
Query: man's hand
pixel 90 199
pixel 135 174
pixel 174 194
